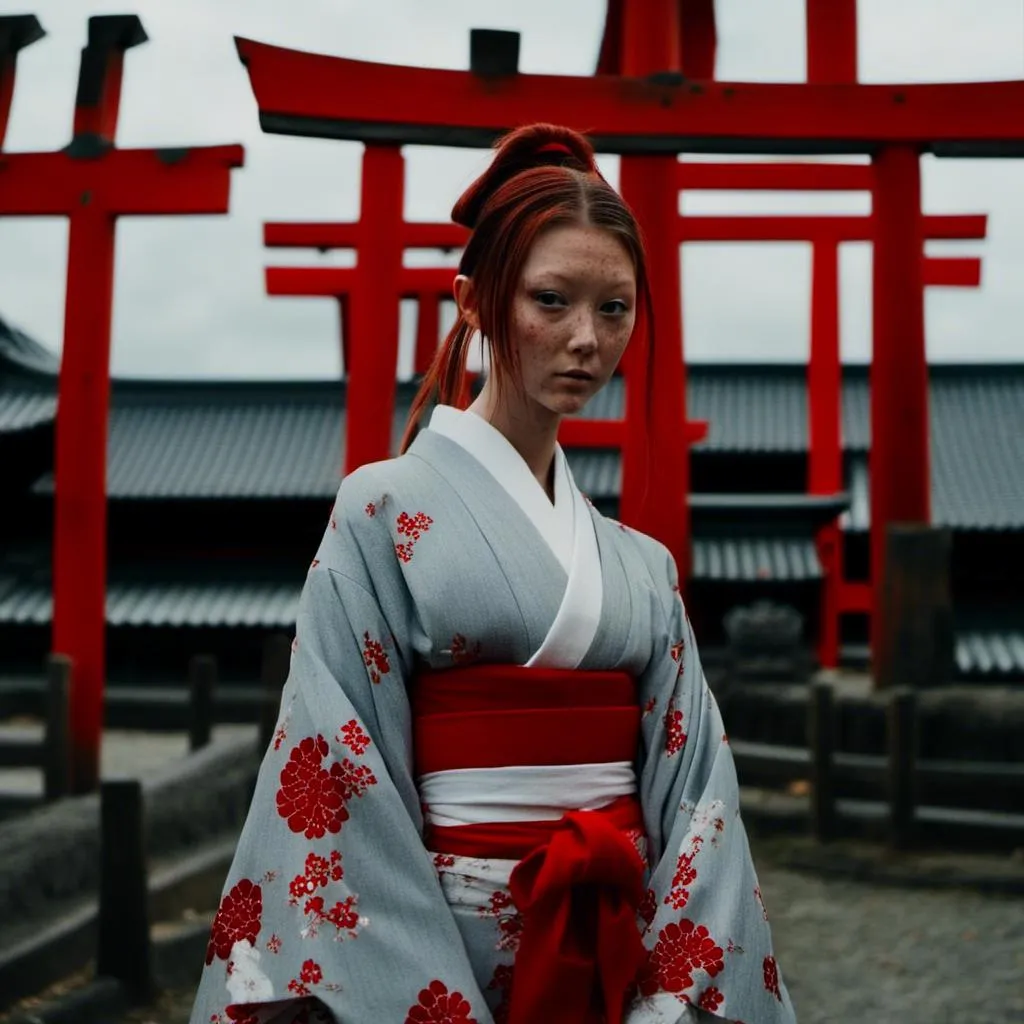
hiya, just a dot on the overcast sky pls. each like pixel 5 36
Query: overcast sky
pixel 189 297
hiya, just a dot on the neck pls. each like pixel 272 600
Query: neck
pixel 530 428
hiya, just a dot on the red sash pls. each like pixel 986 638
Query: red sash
pixel 579 880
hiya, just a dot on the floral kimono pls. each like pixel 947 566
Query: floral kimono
pixel 338 906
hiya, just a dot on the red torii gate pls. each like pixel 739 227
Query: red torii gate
pixel 650 108
pixel 370 369
pixel 92 183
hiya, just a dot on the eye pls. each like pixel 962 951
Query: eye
pixel 616 307
pixel 550 299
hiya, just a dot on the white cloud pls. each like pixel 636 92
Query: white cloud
pixel 189 295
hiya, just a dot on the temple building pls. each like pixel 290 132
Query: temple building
pixel 219 491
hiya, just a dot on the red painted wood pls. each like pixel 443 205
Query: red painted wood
pixel 413 235
pixel 428 329
pixel 952 272
pixel 831 41
pixel 92 191
pixel 80 550
pixel 656 455
pixel 581 433
pixel 373 311
pixel 899 460
pixel 824 374
pixel 125 182
pixel 651 37
pixel 775 177
pixel 854 597
pixel 341 97
pixel 825 452
pixel 816 227
pixel 699 38
pixel 694 21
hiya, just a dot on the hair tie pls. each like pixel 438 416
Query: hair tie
pixel 555 147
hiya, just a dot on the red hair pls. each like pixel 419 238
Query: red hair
pixel 541 175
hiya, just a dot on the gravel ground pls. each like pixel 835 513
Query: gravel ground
pixel 859 953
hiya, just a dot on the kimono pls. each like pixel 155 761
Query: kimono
pixel 451 556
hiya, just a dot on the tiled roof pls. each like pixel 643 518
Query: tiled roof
pixel 247 604
pixel 151 599
pixel 27 381
pixel 755 558
pixel 991 653
pixel 195 439
pixel 25 408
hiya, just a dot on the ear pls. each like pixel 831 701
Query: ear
pixel 465 297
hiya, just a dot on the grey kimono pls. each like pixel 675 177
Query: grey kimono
pixel 334 909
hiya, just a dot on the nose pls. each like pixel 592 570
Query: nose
pixel 584 335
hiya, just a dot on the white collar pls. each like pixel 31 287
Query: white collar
pixel 495 453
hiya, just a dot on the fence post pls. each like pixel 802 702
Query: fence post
pixel 821 742
pixel 277 653
pixel 57 767
pixel 902 751
pixel 123 942
pixel 202 677
pixel 912 637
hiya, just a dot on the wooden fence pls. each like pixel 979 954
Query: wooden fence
pixel 909 790
pixel 51 753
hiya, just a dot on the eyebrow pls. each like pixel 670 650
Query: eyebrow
pixel 618 283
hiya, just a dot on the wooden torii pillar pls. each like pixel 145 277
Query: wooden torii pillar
pixel 824 371
pixel 317 95
pixel 92 183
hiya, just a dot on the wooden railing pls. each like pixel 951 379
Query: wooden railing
pixel 910 789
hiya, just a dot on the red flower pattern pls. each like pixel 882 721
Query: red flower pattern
pixel 676 650
pixel 375 657
pixel 461 652
pixel 311 797
pixel 686 874
pixel 510 921
pixel 710 999
pixel 309 976
pixel 314 563
pixel 444 860
pixel 436 1005
pixel 412 527
pixel 675 737
pixel 371 509
pixel 681 949
pixel 334 522
pixel 237 918
pixel 771 977
pixel 343 916
pixel 354 738
pixel 274 944
pixel 649 705
pixel 319 873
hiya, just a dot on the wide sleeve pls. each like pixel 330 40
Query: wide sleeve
pixel 332 908
pixel 706 927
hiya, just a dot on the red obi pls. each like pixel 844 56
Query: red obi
pixel 580 879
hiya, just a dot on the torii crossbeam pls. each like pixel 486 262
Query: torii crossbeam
pixel 92 183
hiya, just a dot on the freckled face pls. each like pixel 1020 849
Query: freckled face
pixel 573 314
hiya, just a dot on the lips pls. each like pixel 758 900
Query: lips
pixel 581 375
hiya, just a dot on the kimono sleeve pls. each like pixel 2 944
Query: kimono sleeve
pixel 706 928
pixel 332 909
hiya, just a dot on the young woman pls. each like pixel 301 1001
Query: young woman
pixel 500 789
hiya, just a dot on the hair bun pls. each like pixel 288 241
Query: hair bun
pixel 534 145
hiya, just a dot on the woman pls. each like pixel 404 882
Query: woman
pixel 500 788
